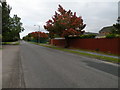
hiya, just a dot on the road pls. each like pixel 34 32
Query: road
pixel 49 68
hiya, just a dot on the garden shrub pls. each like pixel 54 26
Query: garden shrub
pixel 88 36
pixel 84 36
pixel 110 36
pixel 117 35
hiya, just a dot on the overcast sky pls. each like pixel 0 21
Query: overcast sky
pixel 95 13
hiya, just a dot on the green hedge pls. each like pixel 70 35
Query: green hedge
pixel 88 36
pixel 113 36
pixel 84 36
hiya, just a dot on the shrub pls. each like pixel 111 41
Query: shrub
pixel 118 35
pixel 110 36
pixel 88 36
pixel 84 36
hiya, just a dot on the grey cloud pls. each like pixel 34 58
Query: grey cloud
pixel 95 14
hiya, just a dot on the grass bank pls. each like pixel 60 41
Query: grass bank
pixel 109 59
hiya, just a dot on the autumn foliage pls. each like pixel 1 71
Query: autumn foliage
pixel 65 23
pixel 38 35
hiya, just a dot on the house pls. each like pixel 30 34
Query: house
pixel 106 30
pixel 87 33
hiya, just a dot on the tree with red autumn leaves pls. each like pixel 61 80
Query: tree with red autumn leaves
pixel 37 36
pixel 65 23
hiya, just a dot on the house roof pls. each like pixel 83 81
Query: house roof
pixel 107 29
pixel 90 33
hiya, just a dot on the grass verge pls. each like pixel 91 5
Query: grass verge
pixel 109 59
pixel 10 43
pixel 95 52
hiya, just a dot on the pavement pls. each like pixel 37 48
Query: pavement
pixel 11 67
pixel 49 68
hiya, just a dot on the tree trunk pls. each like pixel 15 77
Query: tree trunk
pixel 67 42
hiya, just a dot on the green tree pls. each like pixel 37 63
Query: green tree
pixel 5 20
pixel 11 26
pixel 117 28
pixel 15 27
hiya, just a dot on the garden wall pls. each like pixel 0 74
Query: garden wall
pixel 101 44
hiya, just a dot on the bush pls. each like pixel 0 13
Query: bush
pixel 74 37
pixel 117 35
pixel 84 36
pixel 111 36
pixel 88 36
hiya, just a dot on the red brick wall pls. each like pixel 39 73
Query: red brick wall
pixel 103 44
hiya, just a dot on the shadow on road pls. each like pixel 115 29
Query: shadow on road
pixel 103 67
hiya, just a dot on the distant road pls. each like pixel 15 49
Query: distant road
pixel 48 68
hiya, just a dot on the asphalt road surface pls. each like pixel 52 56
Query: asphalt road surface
pixel 49 68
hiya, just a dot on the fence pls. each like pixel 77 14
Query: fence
pixel 102 44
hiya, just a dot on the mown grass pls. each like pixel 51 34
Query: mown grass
pixel 94 51
pixel 10 43
pixel 109 59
